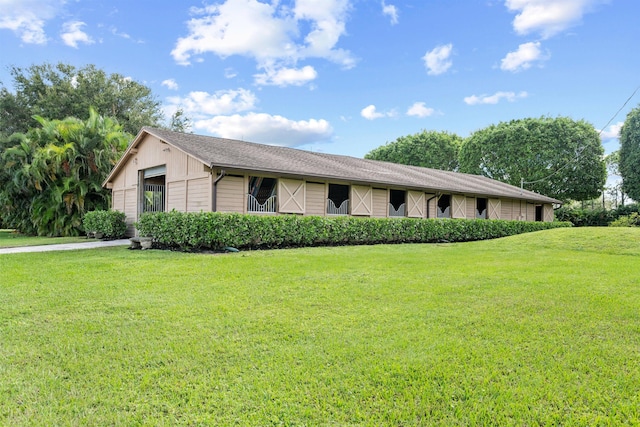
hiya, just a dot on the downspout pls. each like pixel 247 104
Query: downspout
pixel 428 200
pixel 214 191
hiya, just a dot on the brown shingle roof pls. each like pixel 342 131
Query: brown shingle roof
pixel 241 155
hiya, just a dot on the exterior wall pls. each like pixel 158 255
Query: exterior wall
pixel 380 199
pixel 198 197
pixel 431 202
pixel 530 212
pixel 506 209
pixel 231 194
pixel 471 208
pixel 316 199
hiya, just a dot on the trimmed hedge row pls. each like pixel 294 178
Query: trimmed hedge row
pixel 598 217
pixel 189 231
pixel 109 224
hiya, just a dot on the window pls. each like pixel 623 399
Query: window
pixel 481 208
pixel 397 203
pixel 338 201
pixel 152 196
pixel 444 206
pixel 262 194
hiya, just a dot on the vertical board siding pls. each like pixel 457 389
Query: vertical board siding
pixel 430 205
pixel 458 208
pixel 231 195
pixel 131 209
pixel 117 200
pixel 416 206
pixel 471 207
pixel 379 199
pixel 506 211
pixel 315 199
pixel 361 200
pixel 198 195
pixel 291 196
pixel 176 196
pixel 531 212
pixel 495 209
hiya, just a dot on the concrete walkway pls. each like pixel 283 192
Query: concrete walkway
pixel 65 246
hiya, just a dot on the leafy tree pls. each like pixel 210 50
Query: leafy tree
pixel 557 157
pixel 52 174
pixel 180 122
pixel 630 154
pixel 60 91
pixel 431 149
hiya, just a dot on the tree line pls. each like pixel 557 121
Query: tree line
pixel 62 129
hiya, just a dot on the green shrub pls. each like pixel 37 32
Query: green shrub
pixel 187 231
pixel 585 217
pixel 111 224
pixel 632 220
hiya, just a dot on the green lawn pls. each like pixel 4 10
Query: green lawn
pixel 536 329
pixel 13 239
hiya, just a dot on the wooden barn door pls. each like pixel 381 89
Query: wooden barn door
pixel 361 199
pixel 291 193
pixel 494 208
pixel 459 205
pixel 415 204
pixel 548 213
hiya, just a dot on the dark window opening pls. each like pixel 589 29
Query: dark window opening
pixel 539 213
pixel 444 206
pixel 338 201
pixel 481 208
pixel 262 194
pixel 397 202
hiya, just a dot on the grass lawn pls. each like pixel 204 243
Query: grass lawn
pixel 536 329
pixel 13 239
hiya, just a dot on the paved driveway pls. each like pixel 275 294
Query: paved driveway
pixel 65 246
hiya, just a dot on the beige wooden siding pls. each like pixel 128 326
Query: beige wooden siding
pixel 131 209
pixel 530 212
pixel 495 209
pixel 458 206
pixel 117 200
pixel 231 194
pixel 416 206
pixel 316 199
pixel 176 196
pixel 547 213
pixel 506 209
pixel 430 205
pixel 198 195
pixel 176 162
pixel 471 207
pixel 291 196
pixel 380 200
pixel 361 200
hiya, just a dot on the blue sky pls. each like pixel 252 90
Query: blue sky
pixel 346 76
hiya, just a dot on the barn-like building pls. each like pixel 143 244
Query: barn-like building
pixel 164 170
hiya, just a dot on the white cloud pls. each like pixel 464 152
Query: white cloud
pixel 201 105
pixel 72 34
pixel 495 98
pixel 548 17
pixel 170 84
pixel 437 60
pixel 370 113
pixel 612 133
pixel 523 58
pixel 267 129
pixel 287 76
pixel 27 18
pixel 271 33
pixel 419 109
pixel 391 11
